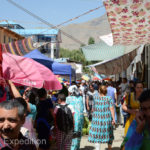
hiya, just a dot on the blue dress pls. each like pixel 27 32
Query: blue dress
pixel 101 130
pixel 77 103
pixel 137 141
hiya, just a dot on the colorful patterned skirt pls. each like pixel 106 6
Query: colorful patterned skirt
pixel 101 130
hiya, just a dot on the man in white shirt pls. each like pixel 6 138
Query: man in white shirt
pixel 82 92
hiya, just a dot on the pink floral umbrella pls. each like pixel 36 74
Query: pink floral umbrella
pixel 28 72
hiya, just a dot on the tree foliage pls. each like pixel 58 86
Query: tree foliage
pixel 75 55
pixel 91 41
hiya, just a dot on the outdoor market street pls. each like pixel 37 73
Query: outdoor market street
pixel 118 133
pixel 75 75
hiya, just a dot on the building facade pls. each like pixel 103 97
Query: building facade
pixel 7 35
pixel 49 37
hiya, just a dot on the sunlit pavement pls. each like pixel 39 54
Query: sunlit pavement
pixel 118 133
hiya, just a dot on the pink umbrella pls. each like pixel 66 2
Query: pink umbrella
pixel 28 72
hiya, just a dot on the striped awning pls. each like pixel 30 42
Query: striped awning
pixel 101 51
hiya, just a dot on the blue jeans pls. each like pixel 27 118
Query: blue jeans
pixel 125 119
pixel 115 113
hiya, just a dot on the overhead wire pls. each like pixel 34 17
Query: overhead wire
pixel 79 16
pixel 30 22
pixel 51 25
pixel 75 18
pixel 45 22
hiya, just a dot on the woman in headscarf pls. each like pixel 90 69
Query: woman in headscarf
pixel 77 102
pixel 131 104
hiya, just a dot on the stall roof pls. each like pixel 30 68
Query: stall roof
pixel 101 51
pixel 57 68
pixel 36 31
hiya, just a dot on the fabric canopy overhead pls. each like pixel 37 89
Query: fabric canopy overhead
pixel 21 47
pixel 101 51
pixel 116 65
pixel 56 68
pixel 129 21
pixel 0 61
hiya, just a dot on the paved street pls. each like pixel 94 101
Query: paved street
pixel 118 133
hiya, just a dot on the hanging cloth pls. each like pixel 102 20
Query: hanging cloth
pixel 21 47
pixel 129 21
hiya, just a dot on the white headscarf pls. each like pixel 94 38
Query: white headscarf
pixel 73 90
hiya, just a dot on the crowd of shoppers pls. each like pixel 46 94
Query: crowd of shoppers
pixel 59 115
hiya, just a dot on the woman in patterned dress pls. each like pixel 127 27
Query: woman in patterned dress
pixel 77 103
pixel 103 119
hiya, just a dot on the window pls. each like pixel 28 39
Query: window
pixel 42 38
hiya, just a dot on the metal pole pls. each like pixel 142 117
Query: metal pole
pixel 52 50
pixel 70 78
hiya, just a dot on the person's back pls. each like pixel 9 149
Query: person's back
pixel 111 92
pixel 63 116
pixel 102 104
pixel 43 109
pixel 44 119
pixel 101 130
pixel 95 86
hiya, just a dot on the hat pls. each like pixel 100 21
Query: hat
pixel 83 81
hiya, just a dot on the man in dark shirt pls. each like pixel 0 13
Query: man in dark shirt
pixel 12 117
pixel 44 118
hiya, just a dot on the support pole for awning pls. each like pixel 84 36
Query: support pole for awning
pixel 122 66
pixel 70 78
pixel 52 51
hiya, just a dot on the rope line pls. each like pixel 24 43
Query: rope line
pixel 51 25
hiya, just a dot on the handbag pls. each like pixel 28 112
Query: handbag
pixel 129 106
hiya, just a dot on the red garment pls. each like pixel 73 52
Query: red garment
pixel 2 81
pixel 4 97
pixel 0 60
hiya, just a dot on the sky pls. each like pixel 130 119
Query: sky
pixel 53 11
